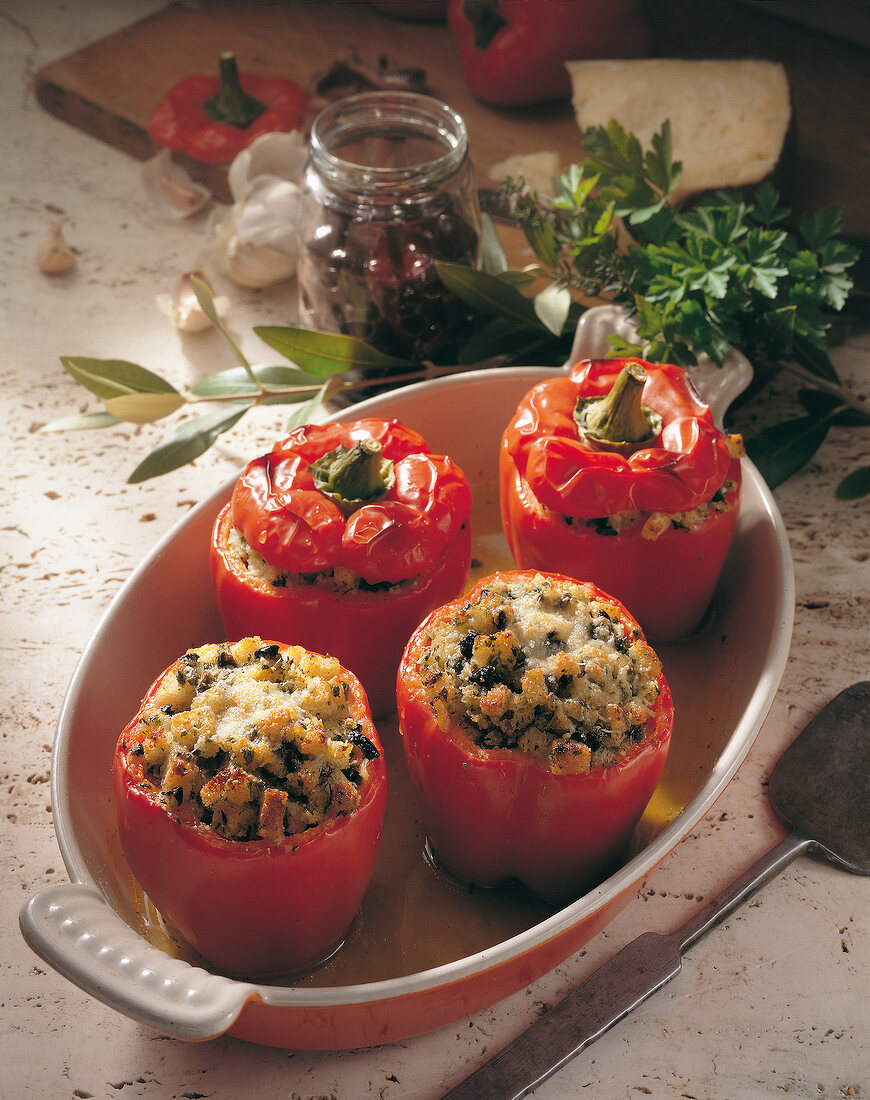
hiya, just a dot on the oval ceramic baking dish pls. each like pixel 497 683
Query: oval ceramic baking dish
pixel 101 934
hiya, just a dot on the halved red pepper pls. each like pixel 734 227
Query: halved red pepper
pixel 402 541
pixel 259 906
pixel 496 814
pixel 514 51
pixel 212 119
pixel 627 521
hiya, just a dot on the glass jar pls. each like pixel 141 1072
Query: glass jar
pixel 388 189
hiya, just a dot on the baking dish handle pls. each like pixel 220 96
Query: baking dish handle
pixel 74 930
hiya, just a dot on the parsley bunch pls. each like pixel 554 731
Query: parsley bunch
pixel 724 272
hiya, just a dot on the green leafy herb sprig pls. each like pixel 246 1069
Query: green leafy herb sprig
pixel 724 272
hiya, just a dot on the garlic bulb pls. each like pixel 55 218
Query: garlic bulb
pixel 53 256
pixel 184 310
pixel 171 190
pixel 257 240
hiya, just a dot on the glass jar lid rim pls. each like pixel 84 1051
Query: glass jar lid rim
pixel 414 112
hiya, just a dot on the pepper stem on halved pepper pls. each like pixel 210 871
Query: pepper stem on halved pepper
pixel 354 475
pixel 619 421
pixel 232 104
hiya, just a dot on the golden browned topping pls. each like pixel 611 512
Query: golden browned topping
pixel 546 667
pixel 256 739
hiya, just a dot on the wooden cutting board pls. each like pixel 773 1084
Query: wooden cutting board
pixel 109 88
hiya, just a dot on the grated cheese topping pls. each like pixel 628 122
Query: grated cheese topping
pixel 256 739
pixel 545 666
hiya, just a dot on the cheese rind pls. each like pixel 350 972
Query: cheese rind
pixel 728 118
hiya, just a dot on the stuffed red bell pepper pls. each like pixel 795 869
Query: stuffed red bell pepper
pixel 212 119
pixel 617 474
pixel 341 540
pixel 514 51
pixel 535 721
pixel 250 791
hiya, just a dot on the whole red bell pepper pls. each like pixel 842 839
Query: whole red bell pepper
pixel 494 814
pixel 513 51
pixel 212 119
pixel 651 521
pixel 366 531
pixel 273 904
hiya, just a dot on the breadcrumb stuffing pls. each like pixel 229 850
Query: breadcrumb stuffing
pixel 339 579
pixel 654 524
pixel 544 666
pixel 256 739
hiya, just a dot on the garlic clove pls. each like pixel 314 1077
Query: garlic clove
pixel 184 310
pixel 269 215
pixel 171 190
pixel 53 256
pixel 275 154
pixel 258 266
pixel 257 240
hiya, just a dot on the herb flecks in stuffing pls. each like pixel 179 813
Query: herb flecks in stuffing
pixel 254 739
pixel 547 668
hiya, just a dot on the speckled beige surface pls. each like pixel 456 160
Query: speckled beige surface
pixel 773 1003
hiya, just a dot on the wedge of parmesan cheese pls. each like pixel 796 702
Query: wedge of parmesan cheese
pixel 537 169
pixel 728 118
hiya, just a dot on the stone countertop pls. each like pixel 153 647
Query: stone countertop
pixel 773 1002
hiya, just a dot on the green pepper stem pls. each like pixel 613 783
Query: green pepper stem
pixel 485 19
pixel 354 474
pixel 620 418
pixel 232 104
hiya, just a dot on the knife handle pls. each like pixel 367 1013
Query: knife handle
pixel 608 995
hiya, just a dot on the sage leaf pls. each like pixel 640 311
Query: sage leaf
pixel 814 359
pixel 498 338
pixel 81 421
pixel 325 353
pixel 185 442
pixel 303 413
pixel 542 238
pixel 143 408
pixel 488 294
pixel 113 377
pixel 492 258
pixel 855 485
pixel 782 450
pixel 552 306
pixel 237 381
pixel 520 279
pixel 819 404
pixel 206 304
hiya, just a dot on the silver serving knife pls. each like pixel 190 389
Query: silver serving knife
pixel 820 787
